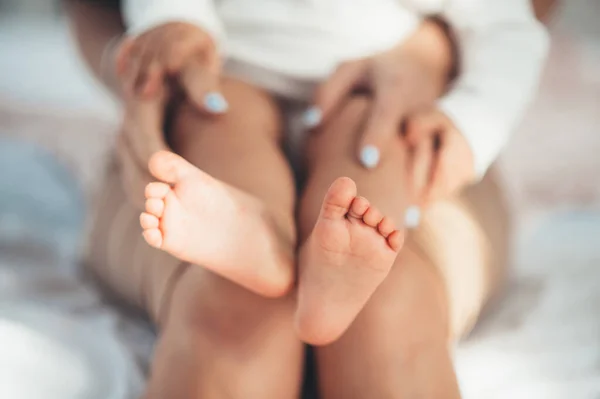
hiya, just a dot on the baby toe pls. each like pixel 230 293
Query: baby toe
pixel 157 190
pixel 386 227
pixel 153 237
pixel 372 217
pixel 358 208
pixel 148 221
pixel 155 207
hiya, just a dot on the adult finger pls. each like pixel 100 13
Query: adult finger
pixel 130 76
pixel 201 85
pixel 383 124
pixel 152 80
pixel 149 70
pixel 421 125
pixel 419 183
pixel 331 93
pixel 455 168
pixel 421 170
pixel 165 53
pixel 123 55
pixel 441 187
pixel 150 75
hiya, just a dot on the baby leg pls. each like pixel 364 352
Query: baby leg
pixel 350 242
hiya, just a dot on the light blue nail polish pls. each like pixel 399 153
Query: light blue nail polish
pixel 412 217
pixel 312 117
pixel 216 103
pixel 369 156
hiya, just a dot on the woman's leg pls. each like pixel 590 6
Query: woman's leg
pixel 239 337
pixel 217 340
pixel 398 345
pixel 348 239
pixel 230 203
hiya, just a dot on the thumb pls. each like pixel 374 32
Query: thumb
pixel 383 125
pixel 331 93
pixel 200 82
pixel 422 169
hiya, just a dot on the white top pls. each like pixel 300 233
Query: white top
pixel 503 47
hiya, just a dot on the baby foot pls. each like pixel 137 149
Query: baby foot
pixel 348 254
pixel 203 221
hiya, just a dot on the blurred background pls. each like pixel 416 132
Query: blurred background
pixel 541 340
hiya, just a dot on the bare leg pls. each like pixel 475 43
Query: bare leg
pixel 331 292
pixel 348 254
pixel 219 340
pixel 397 347
pixel 215 207
pixel 331 295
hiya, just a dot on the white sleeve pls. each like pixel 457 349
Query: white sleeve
pixel 143 15
pixel 502 52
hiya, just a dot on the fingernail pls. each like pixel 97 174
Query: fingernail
pixel 312 117
pixel 369 156
pixel 215 103
pixel 412 217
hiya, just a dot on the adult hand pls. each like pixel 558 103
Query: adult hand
pixel 152 67
pixel 177 51
pixel 442 161
pixel 401 80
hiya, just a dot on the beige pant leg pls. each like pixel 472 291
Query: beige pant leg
pixel 467 239
pixel 118 255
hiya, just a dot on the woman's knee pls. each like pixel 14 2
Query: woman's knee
pixel 328 155
pixel 338 137
pixel 252 112
pixel 332 152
